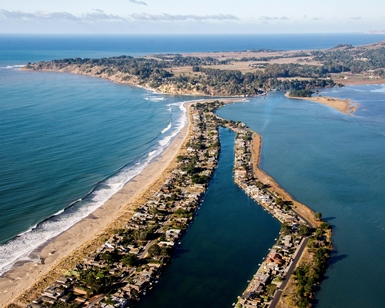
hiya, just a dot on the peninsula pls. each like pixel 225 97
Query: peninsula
pixel 119 265
pixel 343 105
pixel 152 211
pixel 242 74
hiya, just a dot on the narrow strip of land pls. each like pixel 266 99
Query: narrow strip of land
pixel 69 248
pixel 130 238
pixel 299 225
pixel 345 106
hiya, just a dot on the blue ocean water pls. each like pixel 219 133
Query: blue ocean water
pixel 70 142
pixel 66 138
pixel 335 164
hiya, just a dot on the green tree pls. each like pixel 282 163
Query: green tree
pixel 318 216
pixel 303 230
pixel 130 260
pixel 154 250
pixel 325 226
pixel 285 229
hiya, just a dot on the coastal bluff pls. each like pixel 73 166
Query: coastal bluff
pixel 243 73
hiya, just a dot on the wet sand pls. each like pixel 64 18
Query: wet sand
pixel 26 281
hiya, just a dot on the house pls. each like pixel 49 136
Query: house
pixel 173 233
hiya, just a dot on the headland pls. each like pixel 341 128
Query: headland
pixel 238 74
pixel 202 77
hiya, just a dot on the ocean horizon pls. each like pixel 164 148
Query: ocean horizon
pixel 96 135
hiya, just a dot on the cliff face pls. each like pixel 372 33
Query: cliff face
pixel 116 76
pixel 93 71
pixel 149 78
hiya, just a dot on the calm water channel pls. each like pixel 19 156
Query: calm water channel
pixel 221 249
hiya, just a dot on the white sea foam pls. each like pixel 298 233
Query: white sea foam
pixel 166 129
pixel 380 90
pixel 59 212
pixel 165 141
pixel 21 247
pixel 152 153
pixel 154 98
pixel 11 66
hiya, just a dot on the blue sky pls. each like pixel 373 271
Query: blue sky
pixel 198 16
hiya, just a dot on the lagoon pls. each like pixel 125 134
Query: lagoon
pixel 334 164
pixel 222 248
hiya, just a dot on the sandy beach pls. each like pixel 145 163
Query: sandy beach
pixel 298 207
pixel 343 105
pixel 25 282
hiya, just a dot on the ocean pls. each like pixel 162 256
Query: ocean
pixel 69 142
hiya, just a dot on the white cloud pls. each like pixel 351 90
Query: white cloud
pixel 99 15
pixel 169 17
pixel 138 2
pixel 269 18
pixel 94 16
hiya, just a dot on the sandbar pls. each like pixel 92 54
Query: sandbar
pixel 273 186
pixel 345 106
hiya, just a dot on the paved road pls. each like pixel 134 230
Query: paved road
pixel 289 272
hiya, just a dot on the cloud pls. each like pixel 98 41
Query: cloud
pixel 269 18
pixel 99 15
pixel 94 16
pixel 138 2
pixel 169 17
pixel 15 15
pixel 356 18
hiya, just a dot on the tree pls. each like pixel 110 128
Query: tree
pixel 279 202
pixel 140 235
pixel 154 250
pixel 303 230
pixel 300 93
pixel 285 229
pixel 130 260
pixel 270 289
pixel 325 226
pixel 318 216
pixel 97 280
pixel 110 256
pixel 200 179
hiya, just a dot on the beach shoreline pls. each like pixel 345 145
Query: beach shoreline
pixel 85 236
pixel 298 207
pixel 28 279
pixel 345 106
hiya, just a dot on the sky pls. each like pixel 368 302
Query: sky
pixel 190 17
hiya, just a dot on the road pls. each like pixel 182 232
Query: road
pixel 278 294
